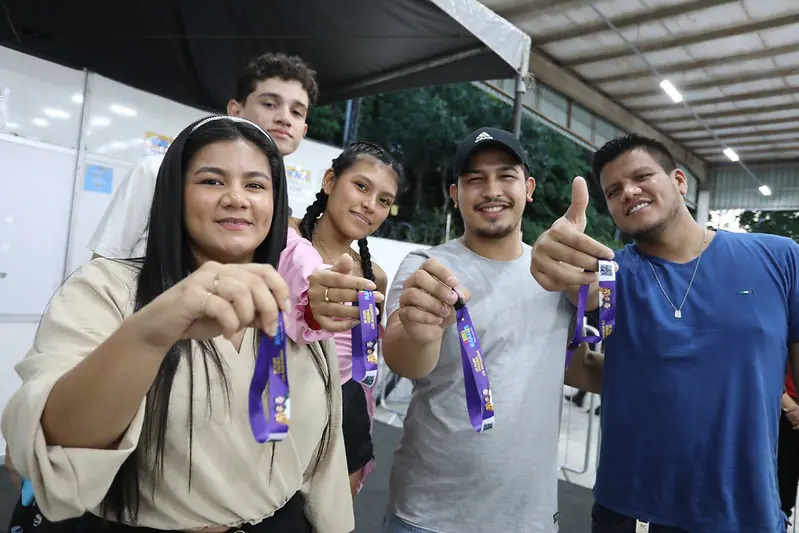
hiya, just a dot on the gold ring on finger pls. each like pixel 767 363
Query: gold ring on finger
pixel 327 297
pixel 205 302
pixel 216 283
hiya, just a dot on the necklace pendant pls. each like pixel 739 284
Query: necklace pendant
pixel 677 313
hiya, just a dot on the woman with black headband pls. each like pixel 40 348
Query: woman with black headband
pixel 136 403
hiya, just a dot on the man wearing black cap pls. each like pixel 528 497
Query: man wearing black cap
pixel 447 477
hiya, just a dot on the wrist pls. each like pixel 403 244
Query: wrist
pixel 138 329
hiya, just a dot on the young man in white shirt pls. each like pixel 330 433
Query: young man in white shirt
pixel 275 91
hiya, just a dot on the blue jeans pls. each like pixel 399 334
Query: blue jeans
pixel 394 524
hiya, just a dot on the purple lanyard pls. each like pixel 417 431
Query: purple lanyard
pixel 364 341
pixel 607 310
pixel 270 371
pixel 475 375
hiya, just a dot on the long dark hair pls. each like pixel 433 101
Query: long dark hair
pixel 169 260
pixel 354 153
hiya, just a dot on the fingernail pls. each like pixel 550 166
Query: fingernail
pixel 452 297
pixel 452 281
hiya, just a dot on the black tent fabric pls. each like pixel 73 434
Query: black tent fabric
pixel 189 50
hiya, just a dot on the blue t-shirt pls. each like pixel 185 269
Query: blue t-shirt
pixel 691 406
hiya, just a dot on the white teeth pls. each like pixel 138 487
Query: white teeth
pixel 493 209
pixel 637 207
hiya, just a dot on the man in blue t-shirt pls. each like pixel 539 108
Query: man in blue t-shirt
pixel 695 367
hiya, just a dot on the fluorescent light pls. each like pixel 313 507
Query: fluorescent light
pixel 122 110
pixel 731 155
pixel 12 125
pixel 100 121
pixel 55 113
pixel 77 98
pixel 669 89
pixel 41 122
pixel 764 190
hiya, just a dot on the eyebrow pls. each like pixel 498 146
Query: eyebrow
pixel 279 97
pixel 219 172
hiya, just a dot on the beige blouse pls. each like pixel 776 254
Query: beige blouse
pixel 231 479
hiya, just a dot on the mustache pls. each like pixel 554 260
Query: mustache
pixel 503 203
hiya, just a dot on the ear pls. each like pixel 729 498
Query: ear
pixel 234 107
pixel 530 186
pixel 328 181
pixel 453 193
pixel 682 181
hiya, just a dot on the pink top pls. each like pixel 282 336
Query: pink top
pixel 298 261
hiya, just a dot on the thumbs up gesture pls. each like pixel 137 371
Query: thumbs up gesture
pixel 330 293
pixel 565 257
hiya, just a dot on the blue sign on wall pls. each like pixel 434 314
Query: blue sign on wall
pixel 98 179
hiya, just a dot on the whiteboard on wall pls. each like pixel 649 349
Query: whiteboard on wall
pixel 35 199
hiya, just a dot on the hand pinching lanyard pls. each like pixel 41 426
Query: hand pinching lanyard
pixel 270 372
pixel 364 341
pixel 475 375
pixel 607 309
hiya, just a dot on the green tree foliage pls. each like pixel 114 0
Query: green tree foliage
pixel 785 223
pixel 422 127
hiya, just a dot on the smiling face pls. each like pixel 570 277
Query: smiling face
pixel 642 197
pixel 228 201
pixel 280 107
pixel 491 193
pixel 360 198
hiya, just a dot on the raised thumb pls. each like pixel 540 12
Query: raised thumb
pixel 344 265
pixel 576 212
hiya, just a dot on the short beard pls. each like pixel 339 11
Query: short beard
pixel 496 232
pixel 655 230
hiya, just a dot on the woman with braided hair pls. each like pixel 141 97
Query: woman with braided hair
pixel 324 273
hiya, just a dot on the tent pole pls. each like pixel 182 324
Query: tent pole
pixel 518 106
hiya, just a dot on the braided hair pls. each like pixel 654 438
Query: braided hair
pixel 351 155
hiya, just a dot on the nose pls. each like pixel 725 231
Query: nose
pixel 369 203
pixel 234 198
pixel 283 116
pixel 631 190
pixel 492 188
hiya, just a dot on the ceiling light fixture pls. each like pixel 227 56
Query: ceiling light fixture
pixel 671 90
pixel 77 98
pixel 765 190
pixel 100 121
pixel 41 122
pixel 731 155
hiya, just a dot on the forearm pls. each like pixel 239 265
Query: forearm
pixel 585 370
pixel 93 404
pixel 407 357
pixel 592 302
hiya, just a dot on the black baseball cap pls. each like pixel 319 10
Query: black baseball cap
pixel 483 138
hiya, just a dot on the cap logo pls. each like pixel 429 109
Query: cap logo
pixel 482 137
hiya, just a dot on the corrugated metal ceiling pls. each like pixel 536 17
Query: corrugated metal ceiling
pixel 736 62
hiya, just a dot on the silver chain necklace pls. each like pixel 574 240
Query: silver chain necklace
pixel 678 310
